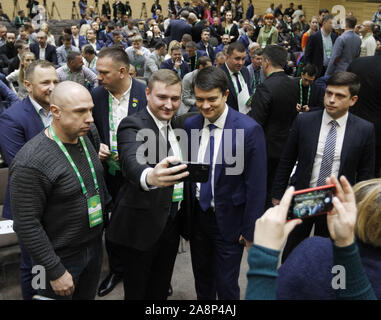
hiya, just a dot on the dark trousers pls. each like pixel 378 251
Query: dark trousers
pixel 85 268
pixel 215 261
pixel 272 165
pixel 26 275
pixel 302 232
pixel 147 274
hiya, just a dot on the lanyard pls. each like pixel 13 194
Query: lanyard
pixel 264 40
pixel 64 150
pixel 255 81
pixel 195 62
pixel 114 145
pixel 301 93
pixel 69 75
pixel 326 47
pixel 234 83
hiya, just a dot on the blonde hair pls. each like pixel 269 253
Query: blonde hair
pixel 172 44
pixel 22 67
pixel 368 199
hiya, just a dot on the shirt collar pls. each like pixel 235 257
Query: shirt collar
pixel 37 107
pixel 127 92
pixel 159 123
pixel 220 122
pixel 341 121
pixel 230 72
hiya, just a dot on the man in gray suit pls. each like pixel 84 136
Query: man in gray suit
pixel 155 59
pixel 255 69
pixel 65 49
pixel 346 48
pixel 188 99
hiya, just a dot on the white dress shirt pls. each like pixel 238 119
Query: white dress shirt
pixel 324 129
pixel 42 53
pixel 45 118
pixel 205 135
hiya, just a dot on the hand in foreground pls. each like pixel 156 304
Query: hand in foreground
pixel 162 176
pixel 104 152
pixel 247 243
pixel 64 285
pixel 272 229
pixel 342 219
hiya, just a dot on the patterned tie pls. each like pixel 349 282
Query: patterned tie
pixel 328 155
pixel 206 188
pixel 238 83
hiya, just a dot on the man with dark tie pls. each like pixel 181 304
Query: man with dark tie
pixel 226 206
pixel 324 143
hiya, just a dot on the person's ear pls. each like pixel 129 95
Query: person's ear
pixel 353 101
pixel 56 111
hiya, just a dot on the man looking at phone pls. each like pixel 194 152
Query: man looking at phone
pixel 331 141
pixel 227 205
pixel 144 228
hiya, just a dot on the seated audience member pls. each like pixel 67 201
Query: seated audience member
pixel 155 59
pixel 77 40
pixel 43 50
pixel 192 55
pixel 65 49
pixel 91 37
pixel 204 44
pixel 7 97
pixel 138 54
pixel 19 75
pixel 8 50
pixel 220 59
pixel 21 46
pixel 184 40
pixel 75 71
pixel 50 38
pixel 89 57
pixel 225 40
pixel 176 63
pixel 117 39
pixel 272 229
pixel 154 36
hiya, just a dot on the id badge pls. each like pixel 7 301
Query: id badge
pixel 113 164
pixel 178 192
pixel 94 208
pixel 243 98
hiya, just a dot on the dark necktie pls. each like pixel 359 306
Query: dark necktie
pixel 328 155
pixel 206 188
pixel 238 83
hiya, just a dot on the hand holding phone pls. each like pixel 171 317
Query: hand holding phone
pixel 198 172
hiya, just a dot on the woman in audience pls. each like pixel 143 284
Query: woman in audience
pixel 154 36
pixel 230 27
pixel 50 40
pixel 19 75
pixel 268 33
pixel 314 25
pixel 307 273
pixel 271 232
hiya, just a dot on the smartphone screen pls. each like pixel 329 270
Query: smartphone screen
pixel 311 202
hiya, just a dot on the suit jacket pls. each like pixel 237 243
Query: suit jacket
pixel 217 32
pixel 18 125
pixel 50 52
pixel 101 107
pixel 188 100
pixel 139 216
pixel 14 64
pixel 356 159
pixel 197 30
pixel 62 54
pixel 346 48
pixel 176 29
pixel 209 50
pixel 168 64
pixel 81 42
pixel 199 53
pixel 314 50
pixel 152 64
pixel 239 198
pixel 274 108
pixel 232 98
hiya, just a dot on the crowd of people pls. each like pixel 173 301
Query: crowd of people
pixel 92 127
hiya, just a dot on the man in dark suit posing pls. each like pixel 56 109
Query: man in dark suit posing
pixel 226 206
pixel 19 124
pixel 239 84
pixel 145 225
pixel 326 142
pixel 319 46
pixel 274 107
pixel 43 50
pixel 118 96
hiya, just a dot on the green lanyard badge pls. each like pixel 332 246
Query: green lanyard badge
pixel 301 93
pixel 94 206
pixel 113 164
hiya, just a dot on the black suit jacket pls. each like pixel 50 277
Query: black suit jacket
pixel 314 50
pixel 139 216
pixel 356 159
pixel 232 97
pixel 50 52
pixel 274 108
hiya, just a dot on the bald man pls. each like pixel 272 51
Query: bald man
pixel 368 42
pixel 58 197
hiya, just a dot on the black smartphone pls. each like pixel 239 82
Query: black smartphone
pixel 311 202
pixel 198 172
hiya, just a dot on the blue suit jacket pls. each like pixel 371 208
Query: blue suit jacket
pixel 357 154
pixel 239 199
pixel 168 64
pixel 176 30
pixel 232 98
pixel 82 41
pixel 101 107
pixel 50 52
pixel 201 46
pixel 18 125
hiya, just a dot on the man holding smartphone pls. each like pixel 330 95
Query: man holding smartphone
pixel 224 209
pixel 331 141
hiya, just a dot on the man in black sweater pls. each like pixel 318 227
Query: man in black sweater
pixel 58 197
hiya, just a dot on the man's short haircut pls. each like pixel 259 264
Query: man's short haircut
pixel 166 76
pixel 29 73
pixel 238 46
pixel 191 44
pixel 27 26
pixel 257 52
pixel 220 54
pixel 88 49
pixel 72 55
pixel 343 78
pixel 137 38
pixel 159 45
pixel 277 55
pixel 351 22
pixel 184 14
pixel 66 37
pixel 117 54
pixel 321 11
pixel 203 61
pixel 111 25
pixel 19 44
pixel 116 33
pixel 186 37
pixel 327 17
pixel 175 48
pixel 205 30
pixel 75 25
pixel 250 28
pixel 210 78
pixel 310 69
